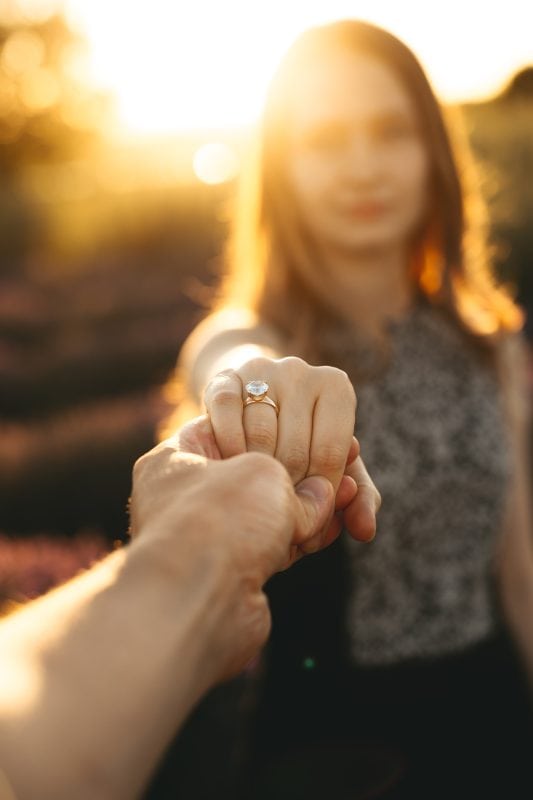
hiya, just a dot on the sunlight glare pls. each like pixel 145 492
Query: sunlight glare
pixel 32 11
pixel 174 67
pixel 39 90
pixel 38 10
pixel 215 163
pixel 22 52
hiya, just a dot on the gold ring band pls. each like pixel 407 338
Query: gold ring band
pixel 250 401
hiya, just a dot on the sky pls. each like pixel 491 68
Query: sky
pixel 175 64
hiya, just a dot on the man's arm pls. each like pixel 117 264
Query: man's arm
pixel 97 676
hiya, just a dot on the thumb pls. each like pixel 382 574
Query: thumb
pixel 315 503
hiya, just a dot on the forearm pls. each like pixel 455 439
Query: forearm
pixel 516 560
pixel 223 342
pixel 99 674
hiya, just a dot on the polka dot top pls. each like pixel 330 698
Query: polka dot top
pixel 432 435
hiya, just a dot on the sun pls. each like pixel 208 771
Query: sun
pixel 175 66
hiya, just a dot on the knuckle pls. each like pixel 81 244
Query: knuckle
pixel 329 457
pixel 155 463
pixel 225 381
pixel 262 464
pixel 338 375
pixel 139 467
pixel 295 363
pixel 262 436
pixel 296 461
pixel 256 366
pixel 258 461
pixel 348 387
pixel 144 463
pixel 299 371
pixel 224 398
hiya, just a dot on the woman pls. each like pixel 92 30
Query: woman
pixel 358 245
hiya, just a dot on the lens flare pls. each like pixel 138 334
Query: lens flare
pixel 215 162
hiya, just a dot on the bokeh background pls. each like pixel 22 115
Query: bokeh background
pixel 122 130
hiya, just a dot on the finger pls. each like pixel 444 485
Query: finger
pixel 260 419
pixel 360 514
pixel 324 537
pixel 196 436
pixel 223 402
pixel 333 426
pixel 295 427
pixel 345 493
pixel 260 424
pixel 354 451
pixel 314 507
pixel 332 531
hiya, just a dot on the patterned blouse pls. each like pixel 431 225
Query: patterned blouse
pixel 433 437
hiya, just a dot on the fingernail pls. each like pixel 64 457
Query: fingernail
pixel 316 487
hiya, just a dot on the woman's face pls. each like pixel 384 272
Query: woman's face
pixel 357 165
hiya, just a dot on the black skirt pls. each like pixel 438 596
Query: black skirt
pixel 456 727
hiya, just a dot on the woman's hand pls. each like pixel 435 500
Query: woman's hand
pixel 311 435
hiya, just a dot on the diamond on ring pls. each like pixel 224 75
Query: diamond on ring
pixel 257 389
pixel 257 393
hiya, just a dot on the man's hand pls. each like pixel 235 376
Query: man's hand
pixel 240 519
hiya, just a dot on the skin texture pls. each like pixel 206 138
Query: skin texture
pixel 128 648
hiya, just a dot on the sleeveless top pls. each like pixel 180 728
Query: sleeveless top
pixel 433 437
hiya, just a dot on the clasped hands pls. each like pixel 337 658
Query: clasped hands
pixel 245 491
pixel 312 434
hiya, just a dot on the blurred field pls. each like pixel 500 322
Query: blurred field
pixel 108 251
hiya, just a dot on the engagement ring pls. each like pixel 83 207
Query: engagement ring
pixel 257 393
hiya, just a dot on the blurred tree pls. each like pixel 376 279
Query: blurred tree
pixel 99 285
pixel 520 87
pixel 46 111
pixel 47 114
